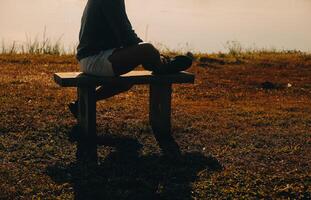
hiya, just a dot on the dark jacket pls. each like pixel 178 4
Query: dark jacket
pixel 104 25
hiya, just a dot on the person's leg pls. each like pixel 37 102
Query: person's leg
pixel 145 54
pixel 110 90
pixel 124 60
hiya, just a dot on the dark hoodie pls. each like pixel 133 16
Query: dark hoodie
pixel 104 26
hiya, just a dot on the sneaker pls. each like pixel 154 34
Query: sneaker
pixel 174 65
pixel 73 107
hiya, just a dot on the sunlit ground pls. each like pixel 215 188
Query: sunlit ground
pixel 244 128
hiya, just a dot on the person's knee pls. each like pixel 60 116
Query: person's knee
pixel 150 51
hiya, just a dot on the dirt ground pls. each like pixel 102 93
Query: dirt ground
pixel 244 129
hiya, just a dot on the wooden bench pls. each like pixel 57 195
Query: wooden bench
pixel 159 101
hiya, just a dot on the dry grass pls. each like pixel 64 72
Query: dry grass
pixel 262 137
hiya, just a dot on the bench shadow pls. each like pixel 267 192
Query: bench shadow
pixel 126 174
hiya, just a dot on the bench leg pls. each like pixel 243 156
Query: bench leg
pixel 160 109
pixel 87 147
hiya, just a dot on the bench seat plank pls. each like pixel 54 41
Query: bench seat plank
pixel 76 79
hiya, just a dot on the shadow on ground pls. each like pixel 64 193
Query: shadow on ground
pixel 125 174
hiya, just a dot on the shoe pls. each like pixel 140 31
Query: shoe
pixel 73 107
pixel 174 65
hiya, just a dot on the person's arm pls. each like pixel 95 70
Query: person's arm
pixel 132 36
pixel 115 13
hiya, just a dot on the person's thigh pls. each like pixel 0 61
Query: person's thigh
pixel 124 60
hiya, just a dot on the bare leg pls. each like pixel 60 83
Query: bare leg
pixel 109 90
pixel 125 60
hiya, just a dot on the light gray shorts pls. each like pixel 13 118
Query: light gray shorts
pixel 97 65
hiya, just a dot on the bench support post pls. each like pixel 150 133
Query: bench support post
pixel 160 109
pixel 87 147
